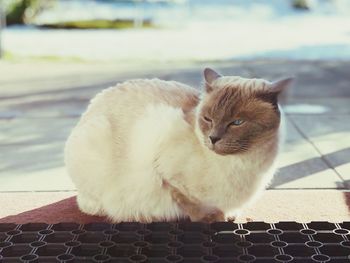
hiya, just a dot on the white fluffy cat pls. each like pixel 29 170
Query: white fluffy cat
pixel 143 144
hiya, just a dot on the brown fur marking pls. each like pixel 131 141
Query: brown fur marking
pixel 193 207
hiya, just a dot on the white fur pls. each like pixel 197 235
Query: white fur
pixel 128 141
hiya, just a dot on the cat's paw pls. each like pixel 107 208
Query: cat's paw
pixel 88 205
pixel 209 215
pixel 231 219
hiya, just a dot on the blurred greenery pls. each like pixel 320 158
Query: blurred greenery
pixel 22 11
pixel 97 24
pixel 301 4
pixel 15 12
pixel 9 56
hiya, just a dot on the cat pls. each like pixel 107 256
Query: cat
pixel 153 150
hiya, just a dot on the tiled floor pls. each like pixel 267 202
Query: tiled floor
pixel 38 110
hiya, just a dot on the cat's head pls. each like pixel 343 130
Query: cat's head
pixel 238 114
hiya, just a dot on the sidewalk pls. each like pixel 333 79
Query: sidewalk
pixel 41 102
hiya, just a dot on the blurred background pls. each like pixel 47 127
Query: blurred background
pixel 176 30
pixel 57 54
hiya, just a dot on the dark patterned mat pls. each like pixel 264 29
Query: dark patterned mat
pixel 176 242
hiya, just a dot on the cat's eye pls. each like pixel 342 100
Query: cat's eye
pixel 207 119
pixel 237 122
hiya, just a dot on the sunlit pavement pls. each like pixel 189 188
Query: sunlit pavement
pixel 40 102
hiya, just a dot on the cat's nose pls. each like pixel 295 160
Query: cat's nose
pixel 214 139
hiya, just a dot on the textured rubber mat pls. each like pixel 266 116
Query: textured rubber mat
pixel 176 242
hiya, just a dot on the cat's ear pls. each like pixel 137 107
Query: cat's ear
pixel 280 85
pixel 274 89
pixel 210 75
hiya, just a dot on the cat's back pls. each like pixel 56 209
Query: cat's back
pixel 107 128
pixel 129 99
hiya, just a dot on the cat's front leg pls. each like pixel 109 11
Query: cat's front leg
pixel 196 210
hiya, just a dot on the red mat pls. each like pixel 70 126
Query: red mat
pixel 61 211
pixel 272 206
